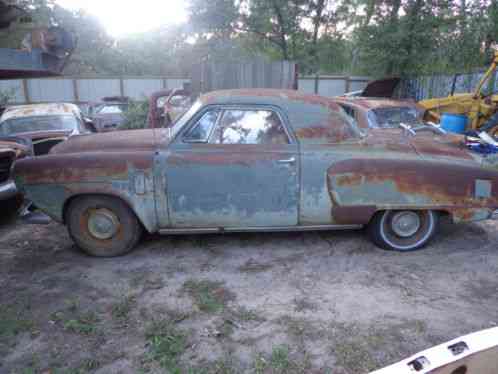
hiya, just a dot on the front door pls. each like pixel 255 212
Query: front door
pixel 233 167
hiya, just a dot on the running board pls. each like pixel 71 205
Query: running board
pixel 208 230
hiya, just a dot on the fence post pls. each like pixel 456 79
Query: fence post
pixel 76 94
pixel 25 89
pixel 347 84
pixel 121 87
pixel 317 83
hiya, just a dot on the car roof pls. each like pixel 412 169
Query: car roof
pixel 49 109
pixel 261 96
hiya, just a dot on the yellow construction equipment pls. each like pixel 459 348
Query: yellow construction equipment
pixel 481 106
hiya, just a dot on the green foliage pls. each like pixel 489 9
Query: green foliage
pixel 84 324
pixel 7 96
pixel 210 297
pixel 166 344
pixel 13 321
pixel 368 37
pixel 135 116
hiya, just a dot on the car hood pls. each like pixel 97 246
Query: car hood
pixel 381 87
pixel 118 141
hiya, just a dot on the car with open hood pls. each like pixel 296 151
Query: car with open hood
pixel 44 124
pixel 260 160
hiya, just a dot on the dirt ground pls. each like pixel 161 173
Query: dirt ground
pixel 318 302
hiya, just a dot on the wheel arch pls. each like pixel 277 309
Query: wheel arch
pixel 74 197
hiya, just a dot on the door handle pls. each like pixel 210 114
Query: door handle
pixel 291 160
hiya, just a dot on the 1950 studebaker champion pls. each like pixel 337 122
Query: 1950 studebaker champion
pixel 259 160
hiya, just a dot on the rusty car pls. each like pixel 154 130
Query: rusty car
pixel 44 124
pixel 373 112
pixel 166 106
pixel 11 149
pixel 109 113
pixel 259 160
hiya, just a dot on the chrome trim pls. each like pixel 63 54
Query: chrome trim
pixel 7 190
pixel 206 230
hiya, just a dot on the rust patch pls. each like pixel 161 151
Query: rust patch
pixel 353 215
pixel 349 180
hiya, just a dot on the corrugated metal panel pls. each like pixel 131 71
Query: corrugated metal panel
pixel 95 89
pixel 430 86
pixel 45 90
pixel 331 87
pixel 258 73
pixel 14 88
pixel 307 85
pixel 357 85
pixel 176 82
pixel 139 89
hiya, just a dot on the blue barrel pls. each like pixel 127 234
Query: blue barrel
pixel 456 123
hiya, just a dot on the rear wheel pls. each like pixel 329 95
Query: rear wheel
pixel 403 230
pixel 103 226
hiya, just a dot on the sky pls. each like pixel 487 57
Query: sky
pixel 123 17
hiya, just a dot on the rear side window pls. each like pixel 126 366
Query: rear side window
pixel 249 127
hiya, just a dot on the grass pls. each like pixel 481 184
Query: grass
pixel 166 344
pixel 280 362
pixel 245 315
pixel 84 324
pixel 13 322
pixel 121 310
pixel 209 296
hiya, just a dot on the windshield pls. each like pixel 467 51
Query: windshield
pixel 184 118
pixel 392 117
pixel 38 123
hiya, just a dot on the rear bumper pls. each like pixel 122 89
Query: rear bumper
pixel 8 189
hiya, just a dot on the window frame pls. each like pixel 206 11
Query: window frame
pixel 196 120
pixel 224 107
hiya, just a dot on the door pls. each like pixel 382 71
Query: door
pixel 233 167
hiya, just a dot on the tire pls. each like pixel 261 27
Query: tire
pixel 102 226
pixel 403 230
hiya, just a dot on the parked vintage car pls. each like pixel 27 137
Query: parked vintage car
pixel 44 124
pixel 382 113
pixel 259 160
pixel 11 148
pixel 109 114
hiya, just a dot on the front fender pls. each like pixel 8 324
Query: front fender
pixel 50 182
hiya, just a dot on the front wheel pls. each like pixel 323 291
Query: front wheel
pixel 403 230
pixel 103 226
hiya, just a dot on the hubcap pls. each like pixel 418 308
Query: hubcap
pixel 405 224
pixel 103 224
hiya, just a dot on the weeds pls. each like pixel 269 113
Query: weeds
pixel 210 297
pixel 166 344
pixel 85 324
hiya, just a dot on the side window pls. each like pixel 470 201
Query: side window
pixel 249 127
pixel 199 133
